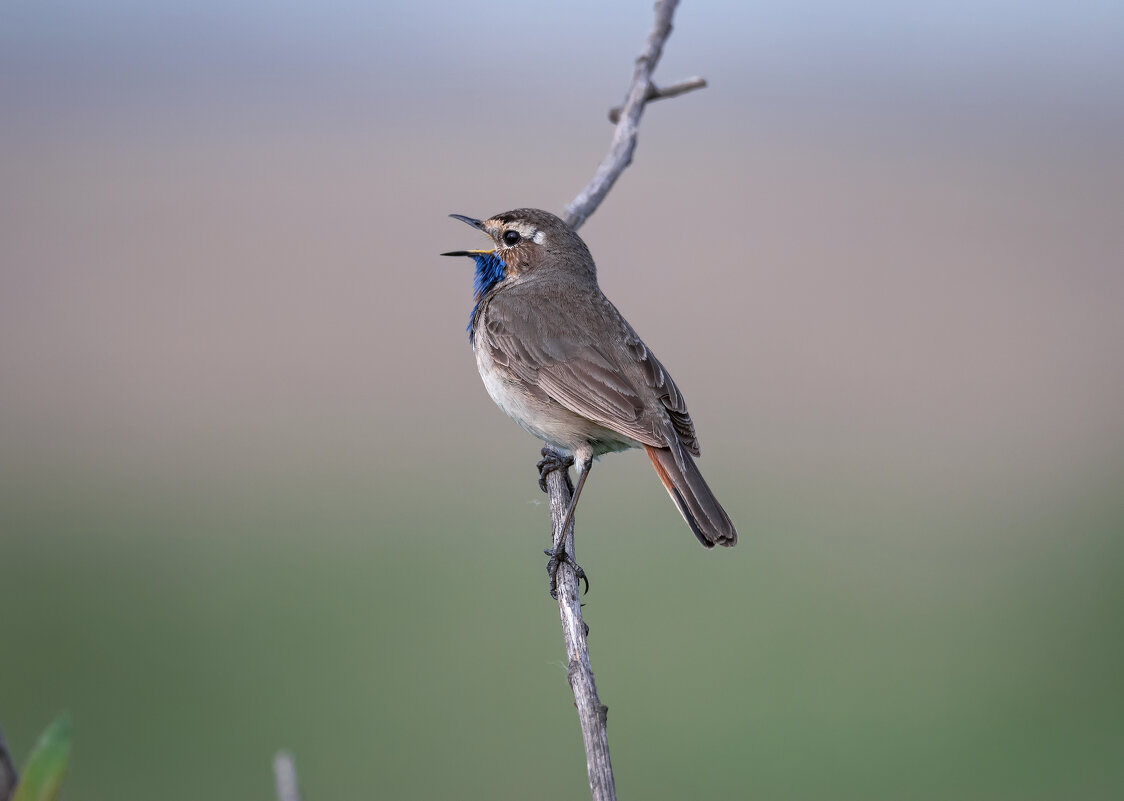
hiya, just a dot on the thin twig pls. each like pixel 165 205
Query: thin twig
pixel 591 712
pixel 285 777
pixel 8 776
pixel 624 136
pixel 659 93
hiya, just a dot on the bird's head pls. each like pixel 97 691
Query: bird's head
pixel 526 241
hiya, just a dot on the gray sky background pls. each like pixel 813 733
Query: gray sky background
pixel 163 52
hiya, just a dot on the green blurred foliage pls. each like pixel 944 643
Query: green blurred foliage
pixel 411 646
pixel 46 767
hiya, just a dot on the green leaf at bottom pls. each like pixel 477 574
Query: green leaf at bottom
pixel 47 764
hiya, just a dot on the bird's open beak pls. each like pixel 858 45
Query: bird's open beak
pixel 473 253
pixel 471 221
pixel 475 224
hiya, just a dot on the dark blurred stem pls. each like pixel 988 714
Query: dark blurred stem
pixel 591 712
pixel 8 777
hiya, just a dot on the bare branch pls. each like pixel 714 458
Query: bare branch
pixel 8 777
pixel 625 134
pixel 285 777
pixel 591 712
pixel 658 93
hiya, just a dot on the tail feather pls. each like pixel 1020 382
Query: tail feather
pixel 685 484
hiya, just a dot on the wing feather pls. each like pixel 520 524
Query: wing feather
pixel 577 348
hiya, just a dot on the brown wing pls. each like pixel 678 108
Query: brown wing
pixel 577 348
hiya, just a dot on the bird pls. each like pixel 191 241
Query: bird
pixel 559 358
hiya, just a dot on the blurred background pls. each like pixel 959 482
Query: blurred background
pixel 253 495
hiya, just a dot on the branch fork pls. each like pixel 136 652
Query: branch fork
pixel 656 93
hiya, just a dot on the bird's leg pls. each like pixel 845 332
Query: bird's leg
pixel 584 471
pixel 552 460
pixel 558 553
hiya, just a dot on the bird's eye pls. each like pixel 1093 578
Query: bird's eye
pixel 511 237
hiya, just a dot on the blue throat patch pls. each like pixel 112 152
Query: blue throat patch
pixel 490 270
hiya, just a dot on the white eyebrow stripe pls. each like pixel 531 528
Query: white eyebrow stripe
pixel 538 238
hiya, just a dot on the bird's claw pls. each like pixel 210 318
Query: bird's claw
pixel 556 561
pixel 552 460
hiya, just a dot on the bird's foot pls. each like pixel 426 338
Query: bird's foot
pixel 552 460
pixel 558 557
